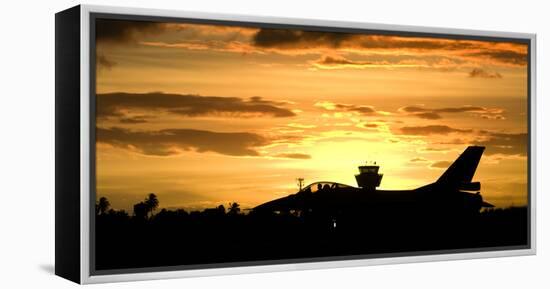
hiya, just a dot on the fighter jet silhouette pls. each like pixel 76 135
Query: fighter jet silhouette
pixel 452 194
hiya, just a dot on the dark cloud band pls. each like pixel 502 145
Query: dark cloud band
pixel 116 104
pixel 125 31
pixel 175 141
pixel 504 143
pixel 295 40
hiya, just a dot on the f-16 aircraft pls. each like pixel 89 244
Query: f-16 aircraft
pixel 453 194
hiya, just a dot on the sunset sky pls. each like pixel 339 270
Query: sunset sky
pixel 203 115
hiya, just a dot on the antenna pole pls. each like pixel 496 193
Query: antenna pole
pixel 300 182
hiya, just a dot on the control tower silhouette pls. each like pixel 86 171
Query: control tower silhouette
pixel 368 177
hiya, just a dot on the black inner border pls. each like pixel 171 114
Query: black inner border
pixel 92 67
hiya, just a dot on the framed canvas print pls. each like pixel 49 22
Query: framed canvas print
pixel 192 144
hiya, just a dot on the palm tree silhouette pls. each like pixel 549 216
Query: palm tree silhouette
pixel 140 211
pixel 234 209
pixel 102 206
pixel 152 203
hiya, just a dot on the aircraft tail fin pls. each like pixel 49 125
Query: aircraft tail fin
pixel 461 172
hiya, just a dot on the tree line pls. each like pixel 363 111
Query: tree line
pixel 146 209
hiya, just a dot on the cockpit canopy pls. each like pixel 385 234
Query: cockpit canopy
pixel 317 186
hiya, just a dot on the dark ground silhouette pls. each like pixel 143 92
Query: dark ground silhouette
pixel 220 235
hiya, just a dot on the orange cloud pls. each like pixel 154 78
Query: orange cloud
pixel 351 108
pixel 480 73
pixel 431 129
pixel 104 63
pixel 215 45
pixel 435 113
pixel 293 156
pixel 330 62
pixel 441 164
